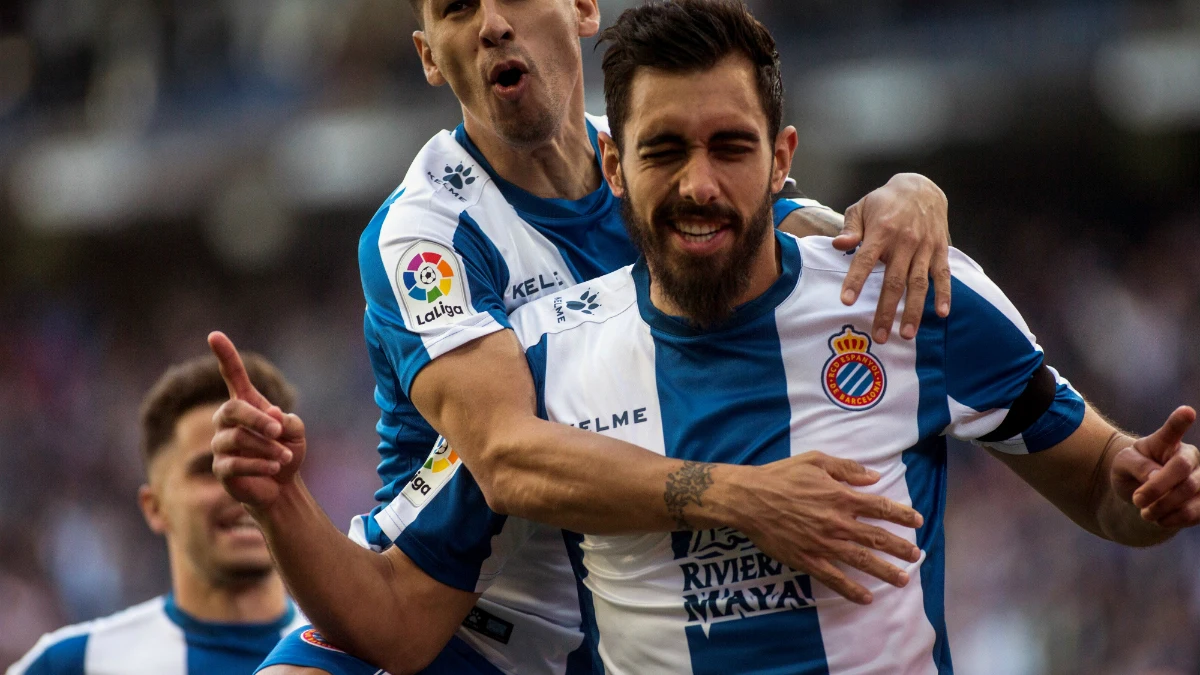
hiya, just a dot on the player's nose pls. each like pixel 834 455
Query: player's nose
pixel 494 28
pixel 698 181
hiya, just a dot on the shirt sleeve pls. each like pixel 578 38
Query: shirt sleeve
pixel 433 282
pixel 443 523
pixel 53 655
pixel 990 359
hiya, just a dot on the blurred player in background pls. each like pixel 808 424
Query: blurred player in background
pixel 227 607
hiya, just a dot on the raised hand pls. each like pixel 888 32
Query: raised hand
pixel 1168 496
pixel 808 519
pixel 257 447
pixel 904 224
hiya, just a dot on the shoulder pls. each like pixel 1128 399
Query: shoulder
pixel 61 652
pixel 818 254
pixel 440 185
pixel 591 302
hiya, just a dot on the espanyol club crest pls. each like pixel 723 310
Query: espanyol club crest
pixel 312 637
pixel 854 378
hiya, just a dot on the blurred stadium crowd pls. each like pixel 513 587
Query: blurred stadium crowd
pixel 169 167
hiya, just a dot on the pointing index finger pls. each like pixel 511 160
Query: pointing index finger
pixel 233 371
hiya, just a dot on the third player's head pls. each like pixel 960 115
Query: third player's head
pixel 515 65
pixel 695 100
pixel 209 536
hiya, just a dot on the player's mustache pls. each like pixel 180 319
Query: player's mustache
pixel 670 212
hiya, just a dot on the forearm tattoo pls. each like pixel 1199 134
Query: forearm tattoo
pixel 687 486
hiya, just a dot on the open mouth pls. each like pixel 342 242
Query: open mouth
pixel 507 76
pixel 510 78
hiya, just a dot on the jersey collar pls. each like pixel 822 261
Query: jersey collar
pixel 531 204
pixel 742 315
pixel 194 626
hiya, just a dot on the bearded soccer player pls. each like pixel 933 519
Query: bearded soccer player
pixel 508 207
pixel 732 349
pixel 227 607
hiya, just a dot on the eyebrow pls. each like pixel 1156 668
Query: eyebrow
pixel 721 136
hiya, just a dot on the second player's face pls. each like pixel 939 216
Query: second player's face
pixel 513 64
pixel 202 523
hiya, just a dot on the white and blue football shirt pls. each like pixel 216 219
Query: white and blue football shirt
pixel 791 371
pixel 155 638
pixel 447 257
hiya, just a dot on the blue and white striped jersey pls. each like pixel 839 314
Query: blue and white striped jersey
pixel 447 257
pixel 155 638
pixel 791 371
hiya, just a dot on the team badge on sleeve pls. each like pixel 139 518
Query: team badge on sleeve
pixel 854 378
pixel 430 285
pixel 312 637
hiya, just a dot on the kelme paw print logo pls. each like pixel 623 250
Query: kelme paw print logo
pixel 458 176
pixel 586 302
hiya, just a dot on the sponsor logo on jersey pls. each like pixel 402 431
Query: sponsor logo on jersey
pixel 726 577
pixel 454 180
pixel 585 304
pixel 312 637
pixel 441 464
pixel 854 378
pixel 614 421
pixel 431 285
pixel 535 285
pixel 458 176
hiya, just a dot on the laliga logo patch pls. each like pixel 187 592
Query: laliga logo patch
pixel 312 637
pixel 441 464
pixel 428 277
pixel 429 286
pixel 854 378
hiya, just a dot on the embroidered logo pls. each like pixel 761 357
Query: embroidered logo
pixel 854 377
pixel 312 637
pixel 458 176
pixel 586 302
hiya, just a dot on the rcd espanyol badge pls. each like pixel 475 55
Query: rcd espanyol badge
pixel 854 378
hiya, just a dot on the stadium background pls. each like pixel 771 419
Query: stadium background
pixel 172 166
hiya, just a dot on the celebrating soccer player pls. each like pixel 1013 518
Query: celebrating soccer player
pixel 509 207
pixel 227 607
pixel 724 344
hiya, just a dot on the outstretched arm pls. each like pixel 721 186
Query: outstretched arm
pixel 1137 492
pixel 364 602
pixel 903 223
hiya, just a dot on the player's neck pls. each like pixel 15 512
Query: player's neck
pixel 259 601
pixel 765 268
pixel 563 167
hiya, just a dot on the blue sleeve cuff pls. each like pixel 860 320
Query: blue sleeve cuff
pixel 1063 418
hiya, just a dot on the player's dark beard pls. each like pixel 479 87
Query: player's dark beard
pixel 704 287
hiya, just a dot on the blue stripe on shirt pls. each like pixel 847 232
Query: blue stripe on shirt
pixel 925 472
pixel 61 658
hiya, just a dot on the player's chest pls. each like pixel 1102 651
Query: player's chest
pixel 748 401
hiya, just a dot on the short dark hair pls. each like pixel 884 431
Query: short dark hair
pixel 198 382
pixel 684 36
